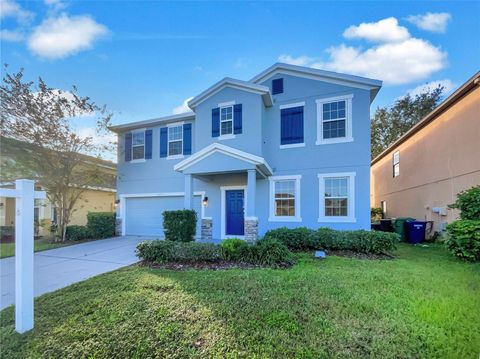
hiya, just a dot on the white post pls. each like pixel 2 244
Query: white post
pixel 188 191
pixel 251 192
pixel 24 255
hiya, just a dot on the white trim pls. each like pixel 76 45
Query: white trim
pixel 123 197
pixel 152 122
pixel 226 104
pixel 291 105
pixel 351 198
pixel 223 208
pixel 139 160
pixel 297 217
pixel 175 157
pixel 175 124
pixel 226 137
pixel 222 136
pixel 293 145
pixel 348 120
pixel 143 130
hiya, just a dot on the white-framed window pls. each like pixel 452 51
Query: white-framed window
pixel 285 198
pixel 396 164
pixel 175 140
pixel 337 197
pixel 138 145
pixel 226 120
pixel 334 120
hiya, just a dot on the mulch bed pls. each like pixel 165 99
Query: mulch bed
pixel 357 255
pixel 206 265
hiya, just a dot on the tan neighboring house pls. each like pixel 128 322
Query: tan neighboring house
pixel 95 199
pixel 423 171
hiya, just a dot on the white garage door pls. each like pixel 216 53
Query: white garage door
pixel 143 215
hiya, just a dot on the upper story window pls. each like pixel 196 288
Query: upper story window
pixel 334 120
pixel 396 164
pixel 175 140
pixel 291 125
pixel 138 145
pixel 277 86
pixel 336 197
pixel 285 198
pixel 226 120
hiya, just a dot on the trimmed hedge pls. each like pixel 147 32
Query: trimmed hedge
pixel 296 239
pixel 463 239
pixel 185 252
pixel 233 248
pixel 180 226
pixel 101 224
pixel 77 233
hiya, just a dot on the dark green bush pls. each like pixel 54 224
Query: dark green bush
pixel 77 233
pixel 101 224
pixel 271 252
pixel 296 239
pixel 468 202
pixel 463 239
pixel 180 226
pixel 232 248
pixel 183 252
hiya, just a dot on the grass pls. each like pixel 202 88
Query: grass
pixel 423 305
pixel 42 244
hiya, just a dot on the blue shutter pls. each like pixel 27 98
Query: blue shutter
pixel 277 86
pixel 163 141
pixel 291 125
pixel 148 144
pixel 237 118
pixel 215 122
pixel 187 139
pixel 128 147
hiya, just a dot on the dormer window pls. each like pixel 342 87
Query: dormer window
pixel 226 120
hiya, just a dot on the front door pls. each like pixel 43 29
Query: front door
pixel 234 212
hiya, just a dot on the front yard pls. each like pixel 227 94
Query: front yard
pixel 424 304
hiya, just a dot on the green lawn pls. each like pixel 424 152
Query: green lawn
pixel 425 304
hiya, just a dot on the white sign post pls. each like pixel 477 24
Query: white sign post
pixel 25 196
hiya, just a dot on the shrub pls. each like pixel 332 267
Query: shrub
pixel 376 214
pixel 270 252
pixel 463 239
pixel 77 233
pixel 101 224
pixel 296 239
pixel 184 252
pixel 468 202
pixel 180 226
pixel 233 248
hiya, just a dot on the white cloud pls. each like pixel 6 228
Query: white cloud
pixel 11 35
pixel 395 62
pixel 434 22
pixel 99 140
pixel 62 36
pixel 448 85
pixel 9 8
pixel 182 108
pixel 386 30
pixel 240 63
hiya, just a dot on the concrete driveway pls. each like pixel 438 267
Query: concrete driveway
pixel 58 268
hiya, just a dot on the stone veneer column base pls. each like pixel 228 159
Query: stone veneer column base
pixel 118 226
pixel 206 229
pixel 251 229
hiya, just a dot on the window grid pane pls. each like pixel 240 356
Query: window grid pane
pixel 175 133
pixel 334 119
pixel 285 198
pixel 226 113
pixel 138 152
pixel 138 138
pixel 226 127
pixel 336 197
pixel 175 148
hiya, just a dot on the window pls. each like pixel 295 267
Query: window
pixel 337 197
pixel 138 145
pixel 277 86
pixel 334 120
pixel 226 120
pixel 396 164
pixel 285 198
pixel 175 140
pixel 291 125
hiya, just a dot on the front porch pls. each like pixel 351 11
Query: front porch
pixel 235 214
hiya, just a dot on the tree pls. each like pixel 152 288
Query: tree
pixel 54 154
pixel 390 123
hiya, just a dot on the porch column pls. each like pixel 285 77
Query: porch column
pixel 251 221
pixel 188 192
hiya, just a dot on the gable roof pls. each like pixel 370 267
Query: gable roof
pixel 236 84
pixel 320 75
pixel 262 165
pixel 463 90
pixel 153 122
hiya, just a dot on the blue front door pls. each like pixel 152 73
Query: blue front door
pixel 234 212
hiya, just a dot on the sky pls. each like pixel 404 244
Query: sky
pixel 144 59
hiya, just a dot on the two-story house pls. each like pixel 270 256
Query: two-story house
pixel 290 147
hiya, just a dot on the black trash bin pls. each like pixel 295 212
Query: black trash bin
pixel 415 231
pixel 386 225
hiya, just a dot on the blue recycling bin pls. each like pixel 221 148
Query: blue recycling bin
pixel 416 231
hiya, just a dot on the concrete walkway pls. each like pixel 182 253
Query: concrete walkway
pixel 58 268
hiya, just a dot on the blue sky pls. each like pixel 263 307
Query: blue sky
pixel 143 59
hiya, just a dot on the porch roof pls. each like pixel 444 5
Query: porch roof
pixel 218 158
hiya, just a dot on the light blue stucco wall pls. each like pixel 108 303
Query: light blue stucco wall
pixel 261 137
